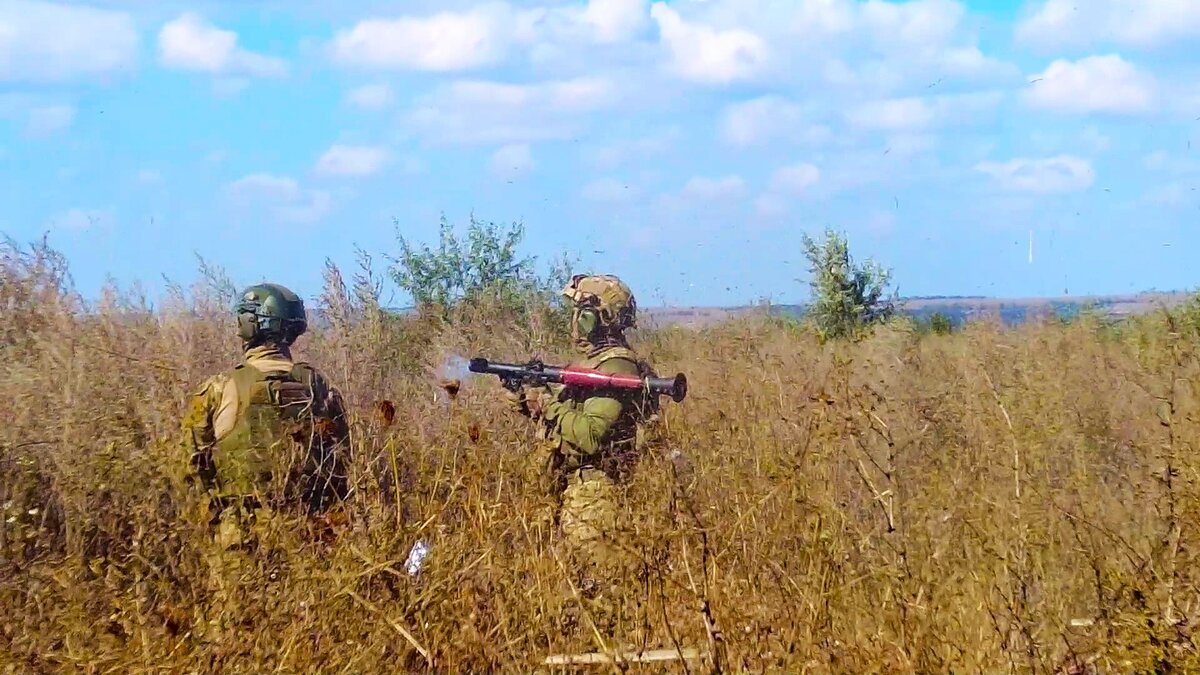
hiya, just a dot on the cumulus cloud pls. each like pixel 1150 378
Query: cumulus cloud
pixel 893 114
pixel 446 41
pixel 281 196
pixel 511 160
pixel 848 44
pixel 615 20
pixel 190 42
pixel 767 119
pixel 708 55
pixel 266 185
pixel 714 189
pixel 1129 23
pixel 1062 173
pixel 494 112
pixel 794 179
pixel 1093 84
pixel 351 160
pixel 917 113
pixel 371 96
pixel 43 41
pixel 786 184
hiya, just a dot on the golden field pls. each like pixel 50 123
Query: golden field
pixel 994 500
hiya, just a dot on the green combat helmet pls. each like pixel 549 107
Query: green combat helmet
pixel 270 313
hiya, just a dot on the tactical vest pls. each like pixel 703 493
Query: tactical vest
pixel 273 438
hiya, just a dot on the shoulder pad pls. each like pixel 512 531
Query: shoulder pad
pixel 207 385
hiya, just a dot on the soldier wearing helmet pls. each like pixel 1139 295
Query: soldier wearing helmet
pixel 593 437
pixel 271 431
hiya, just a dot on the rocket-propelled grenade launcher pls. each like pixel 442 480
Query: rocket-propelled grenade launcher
pixel 536 373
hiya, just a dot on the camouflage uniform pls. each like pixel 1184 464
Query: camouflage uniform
pixel 265 435
pixel 592 438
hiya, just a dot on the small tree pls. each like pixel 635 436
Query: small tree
pixel 940 324
pixel 845 297
pixel 483 267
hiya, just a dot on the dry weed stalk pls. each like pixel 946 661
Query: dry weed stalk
pixel 993 500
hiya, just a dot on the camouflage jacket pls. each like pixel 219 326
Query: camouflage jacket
pixel 268 428
pixel 599 429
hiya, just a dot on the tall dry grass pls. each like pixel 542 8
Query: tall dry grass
pixel 996 500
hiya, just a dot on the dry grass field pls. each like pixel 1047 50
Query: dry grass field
pixel 995 500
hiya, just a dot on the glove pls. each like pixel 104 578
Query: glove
pixel 539 401
pixel 517 401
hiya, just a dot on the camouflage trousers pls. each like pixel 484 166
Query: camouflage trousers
pixel 588 522
pixel 236 567
pixel 589 518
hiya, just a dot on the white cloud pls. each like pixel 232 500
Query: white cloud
pixel 916 113
pixel 371 96
pixel 316 205
pixel 1093 84
pixel 893 114
pixel 190 42
pixel 494 112
pixel 871 48
pixel 766 119
pixel 1062 173
pixel 446 41
pixel 266 185
pixel 351 160
pixel 511 160
pixel 1129 23
pixel 714 189
pixel 150 177
pixel 708 55
pixel 920 22
pixel 615 20
pixel 794 179
pixel 281 196
pixel 51 119
pixel 43 41
pixel 769 205
pixel 786 182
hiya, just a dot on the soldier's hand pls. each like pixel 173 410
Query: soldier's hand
pixel 516 401
pixel 539 400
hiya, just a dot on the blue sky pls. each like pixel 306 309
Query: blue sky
pixel 690 142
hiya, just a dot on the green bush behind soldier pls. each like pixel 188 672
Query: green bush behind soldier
pixel 268 435
pixel 591 439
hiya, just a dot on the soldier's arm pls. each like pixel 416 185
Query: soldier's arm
pixel 336 405
pixel 583 426
pixel 197 436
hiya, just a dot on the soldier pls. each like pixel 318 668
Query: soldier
pixel 269 433
pixel 592 437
